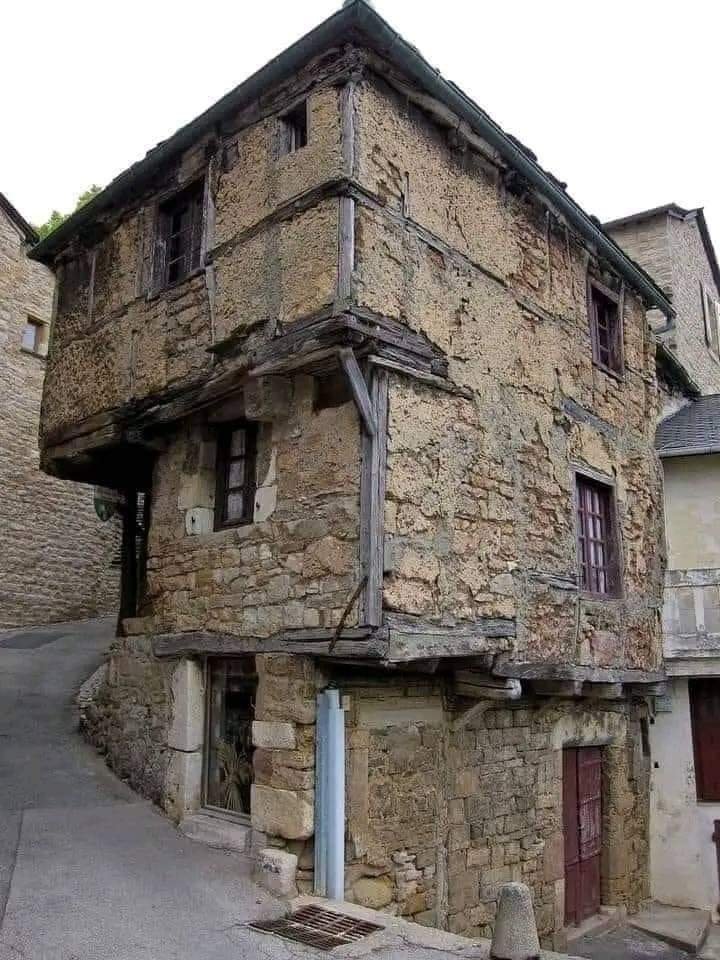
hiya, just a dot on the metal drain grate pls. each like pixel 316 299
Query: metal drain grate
pixel 318 927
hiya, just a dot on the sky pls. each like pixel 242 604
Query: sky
pixel 618 97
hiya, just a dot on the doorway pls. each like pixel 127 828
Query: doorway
pixel 232 687
pixel 582 825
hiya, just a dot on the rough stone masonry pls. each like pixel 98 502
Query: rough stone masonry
pixel 55 554
pixel 402 315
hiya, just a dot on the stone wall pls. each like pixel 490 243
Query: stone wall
pixel 671 249
pixel 297 564
pixel 441 814
pixel 55 554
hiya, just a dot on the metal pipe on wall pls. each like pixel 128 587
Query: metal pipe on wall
pixel 330 797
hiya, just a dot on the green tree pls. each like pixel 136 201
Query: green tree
pixel 56 218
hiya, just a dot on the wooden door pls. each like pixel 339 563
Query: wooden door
pixel 582 823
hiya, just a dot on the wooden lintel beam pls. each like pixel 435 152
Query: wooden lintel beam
pixel 558 688
pixel 359 389
pixel 603 691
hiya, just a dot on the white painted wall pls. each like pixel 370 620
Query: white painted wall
pixel 692 512
pixel 683 864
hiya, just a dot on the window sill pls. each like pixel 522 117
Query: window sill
pixel 157 293
pixel 33 353
pixel 600 597
pixel 222 527
pixel 615 374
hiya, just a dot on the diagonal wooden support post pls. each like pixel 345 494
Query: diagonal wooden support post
pixel 359 389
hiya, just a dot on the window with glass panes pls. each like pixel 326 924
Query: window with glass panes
pixel 235 492
pixel 597 541
pixel 180 235
pixel 605 328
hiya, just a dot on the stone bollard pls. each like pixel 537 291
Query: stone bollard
pixel 515 936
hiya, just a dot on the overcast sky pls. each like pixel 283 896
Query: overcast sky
pixel 618 98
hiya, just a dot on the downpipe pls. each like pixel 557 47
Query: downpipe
pixel 330 797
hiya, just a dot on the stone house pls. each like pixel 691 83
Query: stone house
pixel 389 396
pixel 675 245
pixel 55 554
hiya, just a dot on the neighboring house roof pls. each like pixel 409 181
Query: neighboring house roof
pixel 693 430
pixel 17 218
pixel 673 210
pixel 357 20
pixel 674 372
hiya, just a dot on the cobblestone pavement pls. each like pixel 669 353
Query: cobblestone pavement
pixel 625 943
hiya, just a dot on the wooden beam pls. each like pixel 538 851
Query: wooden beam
pixel 354 643
pixel 372 500
pixel 603 691
pixel 359 389
pixel 557 688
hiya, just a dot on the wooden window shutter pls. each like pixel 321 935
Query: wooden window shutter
pixel 162 227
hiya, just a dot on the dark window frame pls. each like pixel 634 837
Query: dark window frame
pixel 707 780
pixel 178 246
pixel 711 320
pixel 597 535
pixel 224 460
pixel 607 338
pixel 294 129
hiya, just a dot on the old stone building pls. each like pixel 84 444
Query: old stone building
pixel 389 396
pixel 55 554
pixel 674 243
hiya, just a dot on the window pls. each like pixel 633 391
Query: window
pixel 597 539
pixel 605 327
pixel 704 695
pixel 235 494
pixel 711 315
pixel 294 129
pixel 35 337
pixel 232 686
pixel 179 236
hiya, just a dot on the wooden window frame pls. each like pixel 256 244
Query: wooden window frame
pixel 294 129
pixel 223 463
pixel 194 193
pixel 612 569
pixel 40 328
pixel 616 350
pixel 707 786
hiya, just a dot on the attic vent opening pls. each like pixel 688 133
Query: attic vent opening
pixel 317 927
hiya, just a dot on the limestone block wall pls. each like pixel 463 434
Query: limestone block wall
pixel 296 565
pixel 440 815
pixel 55 554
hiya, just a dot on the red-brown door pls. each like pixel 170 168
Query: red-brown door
pixel 582 822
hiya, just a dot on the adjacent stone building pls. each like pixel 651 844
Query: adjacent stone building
pixel 388 395
pixel 55 554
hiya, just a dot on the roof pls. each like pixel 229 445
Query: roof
pixel 674 372
pixel 17 218
pixel 358 21
pixel 682 213
pixel 693 430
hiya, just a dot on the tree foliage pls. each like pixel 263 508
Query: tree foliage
pixel 56 218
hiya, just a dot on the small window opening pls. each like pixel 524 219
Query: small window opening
pixel 235 492
pixel 605 329
pixel 180 235
pixel 232 688
pixel 35 337
pixel 294 129
pixel 597 538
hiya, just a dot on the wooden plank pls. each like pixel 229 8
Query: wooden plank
pixel 505 667
pixel 372 501
pixel 359 389
pixel 353 644
pixel 430 378
pixel 346 249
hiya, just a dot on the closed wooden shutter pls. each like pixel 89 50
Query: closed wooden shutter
pixel 705 715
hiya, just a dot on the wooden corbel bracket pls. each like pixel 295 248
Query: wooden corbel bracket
pixel 360 393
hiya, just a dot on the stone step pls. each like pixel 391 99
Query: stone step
pixel 680 927
pixel 217 831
